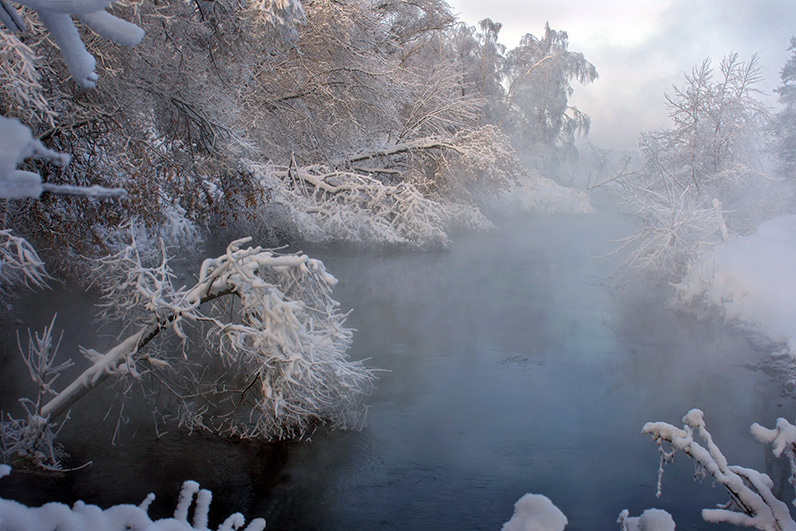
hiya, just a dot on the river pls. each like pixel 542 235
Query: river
pixel 511 364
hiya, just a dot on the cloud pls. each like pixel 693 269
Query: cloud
pixel 643 47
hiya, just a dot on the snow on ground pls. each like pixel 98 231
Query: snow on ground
pixel 751 280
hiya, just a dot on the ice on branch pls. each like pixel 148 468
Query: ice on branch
pixel 56 15
pixel 752 503
pixel 275 342
pixel 15 516
pixel 16 145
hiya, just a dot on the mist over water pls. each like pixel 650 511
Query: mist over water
pixel 511 365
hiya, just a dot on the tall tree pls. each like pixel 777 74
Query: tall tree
pixel 536 110
pixel 785 120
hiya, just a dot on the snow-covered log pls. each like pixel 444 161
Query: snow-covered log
pixel 752 502
pixel 15 516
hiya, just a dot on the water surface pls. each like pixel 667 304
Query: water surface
pixel 510 366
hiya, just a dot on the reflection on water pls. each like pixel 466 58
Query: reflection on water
pixel 510 367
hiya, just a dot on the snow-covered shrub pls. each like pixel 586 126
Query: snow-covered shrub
pixel 697 182
pixel 676 229
pixel 15 516
pixel 535 194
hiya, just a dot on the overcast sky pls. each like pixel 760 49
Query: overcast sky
pixel 642 47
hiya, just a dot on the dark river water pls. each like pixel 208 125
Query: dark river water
pixel 511 365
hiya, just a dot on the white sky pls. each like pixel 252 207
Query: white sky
pixel 642 47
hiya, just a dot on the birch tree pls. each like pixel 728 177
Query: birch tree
pixel 536 106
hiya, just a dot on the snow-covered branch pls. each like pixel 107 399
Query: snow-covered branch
pixel 752 502
pixel 55 14
pixel 16 145
pixel 535 512
pixel 15 516
pixel 283 348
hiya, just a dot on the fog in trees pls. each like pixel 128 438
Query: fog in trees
pixel 354 264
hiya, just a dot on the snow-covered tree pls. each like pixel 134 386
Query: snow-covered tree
pixel 536 107
pixel 699 182
pixel 785 120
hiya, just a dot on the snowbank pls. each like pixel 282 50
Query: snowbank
pixel 750 280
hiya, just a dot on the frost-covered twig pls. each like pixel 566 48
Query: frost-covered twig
pixel 33 438
pixel 15 516
pixel 20 265
pixel 752 503
pixel 20 74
